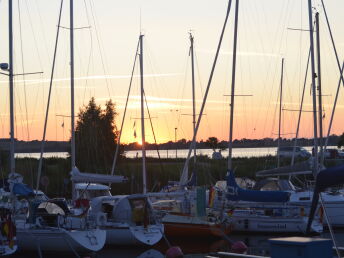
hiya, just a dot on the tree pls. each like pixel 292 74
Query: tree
pixel 341 141
pixel 95 137
pixel 213 143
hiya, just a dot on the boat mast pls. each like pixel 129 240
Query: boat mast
pixel 280 116
pixel 144 179
pixel 71 30
pixel 317 28
pixel 230 143
pixel 193 91
pixel 10 74
pixel 315 123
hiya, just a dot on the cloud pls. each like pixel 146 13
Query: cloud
pixel 307 105
pixel 92 77
pixel 161 99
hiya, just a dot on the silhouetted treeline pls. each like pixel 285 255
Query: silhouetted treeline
pixel 242 143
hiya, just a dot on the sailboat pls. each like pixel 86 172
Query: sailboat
pixel 184 211
pixel 333 201
pixel 49 225
pixel 267 211
pixel 127 219
pixel 256 211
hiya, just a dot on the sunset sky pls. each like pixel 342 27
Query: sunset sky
pixel 104 55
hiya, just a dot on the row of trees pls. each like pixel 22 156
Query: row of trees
pixel 96 137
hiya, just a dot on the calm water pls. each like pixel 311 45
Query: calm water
pixel 257 245
pixel 237 152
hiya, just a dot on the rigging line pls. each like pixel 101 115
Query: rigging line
pixel 201 88
pixel 333 111
pixel 42 30
pixel 274 116
pixel 23 70
pixel 91 51
pixel 151 124
pixel 17 98
pixel 152 61
pixel 125 112
pixel 341 69
pixel 100 47
pixel 49 96
pixel 270 67
pixel 34 37
pixel 192 146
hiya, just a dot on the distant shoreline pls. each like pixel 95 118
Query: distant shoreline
pixel 64 146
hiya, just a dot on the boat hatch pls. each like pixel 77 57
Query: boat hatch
pixel 141 212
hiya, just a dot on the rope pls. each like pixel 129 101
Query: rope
pixel 23 70
pixel 125 112
pixel 151 124
pixel 185 169
pixel 48 103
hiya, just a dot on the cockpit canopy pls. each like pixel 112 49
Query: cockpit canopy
pixel 274 184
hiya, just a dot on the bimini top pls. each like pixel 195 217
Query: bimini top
pixel 236 193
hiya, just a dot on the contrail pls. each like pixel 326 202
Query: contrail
pixel 92 77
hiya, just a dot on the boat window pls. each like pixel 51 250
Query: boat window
pixel 90 194
pixel 97 193
pixel 51 208
pixel 270 186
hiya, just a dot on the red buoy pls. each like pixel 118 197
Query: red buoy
pixel 239 247
pixel 174 252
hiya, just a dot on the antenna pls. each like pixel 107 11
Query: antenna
pixel 140 20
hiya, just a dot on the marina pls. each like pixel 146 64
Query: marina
pixel 225 163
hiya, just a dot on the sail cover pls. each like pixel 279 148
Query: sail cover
pixel 304 167
pixel 326 178
pixel 236 193
pixel 78 177
pixel 22 190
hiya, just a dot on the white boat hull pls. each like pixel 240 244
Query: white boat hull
pixel 7 250
pixel 61 240
pixel 334 205
pixel 135 235
pixel 274 225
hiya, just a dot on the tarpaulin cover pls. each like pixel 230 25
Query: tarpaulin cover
pixel 23 190
pixel 235 193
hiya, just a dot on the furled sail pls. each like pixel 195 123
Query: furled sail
pixel 304 167
pixel 78 177
pixel 236 193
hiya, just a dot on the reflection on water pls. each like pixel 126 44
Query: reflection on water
pixel 257 245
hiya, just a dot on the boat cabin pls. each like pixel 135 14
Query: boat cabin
pixel 90 191
pixel 134 210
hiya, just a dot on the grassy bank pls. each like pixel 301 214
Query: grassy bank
pixel 159 172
